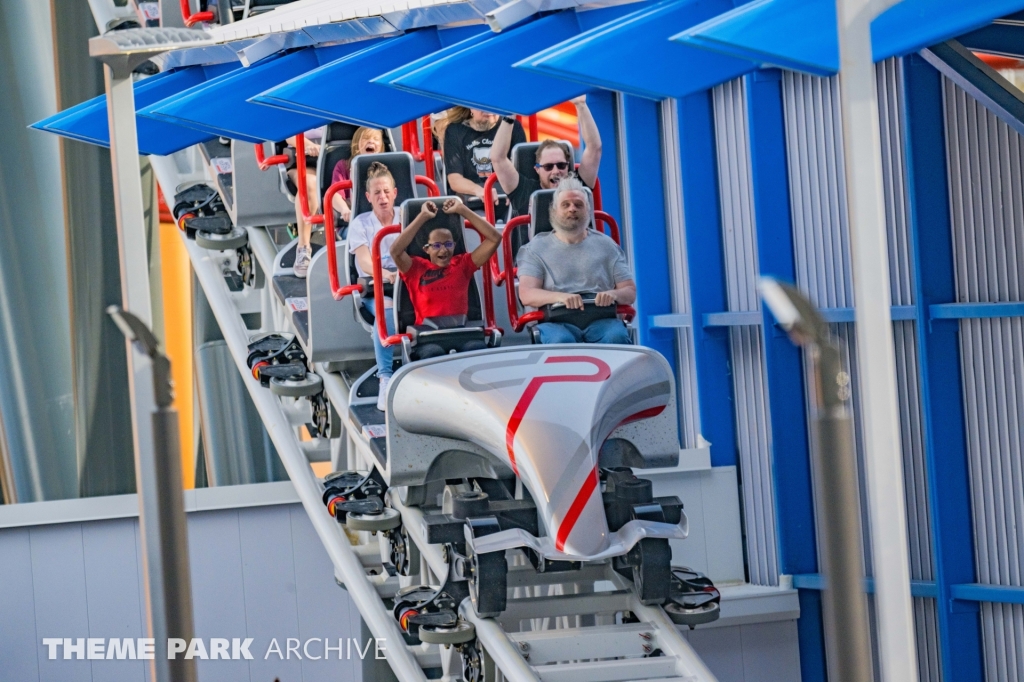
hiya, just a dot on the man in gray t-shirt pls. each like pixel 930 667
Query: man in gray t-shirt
pixel 556 267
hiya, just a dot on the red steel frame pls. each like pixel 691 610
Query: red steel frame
pixel 264 163
pixel 193 19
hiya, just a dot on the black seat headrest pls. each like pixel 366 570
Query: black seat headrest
pixel 330 155
pixel 524 156
pixel 540 210
pixel 450 222
pixel 401 166
pixel 339 132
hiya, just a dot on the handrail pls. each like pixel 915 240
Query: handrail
pixel 337 291
pixel 488 291
pixel 411 141
pixel 613 226
pixel 263 162
pixel 378 289
pixel 509 274
pixel 496 274
pixel 428 149
pixel 301 190
pixel 530 125
pixel 431 186
pixel 193 19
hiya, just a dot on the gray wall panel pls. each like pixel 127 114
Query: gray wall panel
pixel 218 592
pixel 61 609
pixel 322 613
pixel 268 574
pixel 114 583
pixel 256 572
pixel 766 643
pixel 18 631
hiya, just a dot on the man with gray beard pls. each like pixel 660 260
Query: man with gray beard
pixel 570 263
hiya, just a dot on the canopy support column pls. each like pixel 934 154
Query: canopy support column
pixel 877 371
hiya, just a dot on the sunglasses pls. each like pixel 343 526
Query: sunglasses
pixel 438 245
pixel 561 165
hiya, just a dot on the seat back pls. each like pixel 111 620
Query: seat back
pixel 337 146
pixel 524 157
pixel 330 154
pixel 405 313
pixel 401 166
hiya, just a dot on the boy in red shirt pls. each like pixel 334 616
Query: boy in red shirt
pixel 439 287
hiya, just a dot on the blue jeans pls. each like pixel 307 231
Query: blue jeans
pixel 599 331
pixel 384 354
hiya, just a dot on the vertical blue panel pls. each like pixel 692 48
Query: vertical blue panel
pixel 648 240
pixel 783 363
pixel 941 383
pixel 706 266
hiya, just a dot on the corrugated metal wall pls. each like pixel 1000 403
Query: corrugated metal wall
pixel 985 161
pixel 821 242
pixel 739 239
pixel 689 405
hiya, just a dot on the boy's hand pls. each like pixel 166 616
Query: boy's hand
pixel 429 208
pixel 453 206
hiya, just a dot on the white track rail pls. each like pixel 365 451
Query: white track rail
pixel 571 632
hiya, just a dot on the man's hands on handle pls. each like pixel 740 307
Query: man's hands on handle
pixel 532 293
pixel 572 301
pixel 575 301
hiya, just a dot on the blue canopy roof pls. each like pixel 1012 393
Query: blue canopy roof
pixel 88 122
pixel 345 90
pixel 606 56
pixel 802 35
pixel 221 106
pixel 479 72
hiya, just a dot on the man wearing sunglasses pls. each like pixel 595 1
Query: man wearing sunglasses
pixel 439 287
pixel 553 160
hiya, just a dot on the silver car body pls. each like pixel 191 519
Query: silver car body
pixel 551 414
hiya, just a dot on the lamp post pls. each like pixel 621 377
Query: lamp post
pixel 836 496
pixel 162 513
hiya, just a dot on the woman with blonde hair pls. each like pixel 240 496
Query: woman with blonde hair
pixel 364 141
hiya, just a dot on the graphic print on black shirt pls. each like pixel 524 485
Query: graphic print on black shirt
pixel 468 152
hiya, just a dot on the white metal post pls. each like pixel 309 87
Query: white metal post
pixel 877 367
pixel 131 242
pixel 155 437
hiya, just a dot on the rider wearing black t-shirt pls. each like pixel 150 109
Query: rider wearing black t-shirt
pixel 552 162
pixel 467 152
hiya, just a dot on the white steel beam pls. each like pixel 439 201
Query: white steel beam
pixel 877 370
